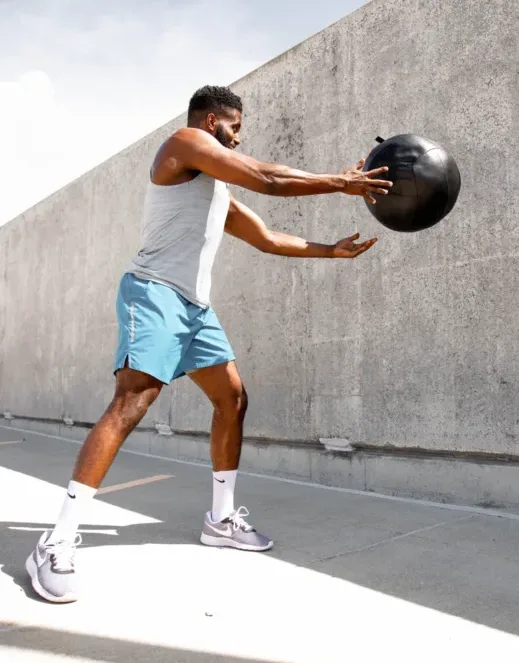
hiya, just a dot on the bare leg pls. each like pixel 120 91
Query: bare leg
pixel 51 566
pixel 134 393
pixel 223 386
pixel 226 526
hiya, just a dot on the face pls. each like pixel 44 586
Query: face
pixel 225 127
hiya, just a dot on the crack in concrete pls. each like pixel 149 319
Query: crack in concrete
pixel 391 539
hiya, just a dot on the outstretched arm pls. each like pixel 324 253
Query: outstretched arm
pixel 196 150
pixel 246 225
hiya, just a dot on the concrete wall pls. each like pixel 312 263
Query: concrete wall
pixel 414 344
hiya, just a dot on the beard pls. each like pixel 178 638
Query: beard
pixel 221 137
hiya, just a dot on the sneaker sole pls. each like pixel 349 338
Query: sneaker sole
pixel 32 570
pixel 223 542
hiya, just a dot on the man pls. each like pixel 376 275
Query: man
pixel 167 327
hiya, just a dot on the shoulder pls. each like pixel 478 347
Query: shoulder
pixel 185 133
pixel 181 138
pixel 185 143
pixel 171 162
pixel 190 135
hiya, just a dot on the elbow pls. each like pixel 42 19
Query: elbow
pixel 276 188
pixel 273 186
pixel 268 244
pixel 272 183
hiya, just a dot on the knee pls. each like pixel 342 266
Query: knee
pixel 130 408
pixel 232 406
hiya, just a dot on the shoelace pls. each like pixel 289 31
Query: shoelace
pixel 238 520
pixel 63 553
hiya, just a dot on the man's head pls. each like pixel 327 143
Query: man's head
pixel 218 111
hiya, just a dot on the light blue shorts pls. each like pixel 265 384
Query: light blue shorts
pixel 163 334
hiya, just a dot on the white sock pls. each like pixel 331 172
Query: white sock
pixel 71 512
pixel 223 494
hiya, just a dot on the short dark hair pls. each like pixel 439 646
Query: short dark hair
pixel 212 98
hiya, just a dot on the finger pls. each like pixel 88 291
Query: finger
pixel 370 198
pixel 383 192
pixel 360 163
pixel 353 237
pixel 355 248
pixel 377 171
pixel 363 248
pixel 385 183
pixel 365 245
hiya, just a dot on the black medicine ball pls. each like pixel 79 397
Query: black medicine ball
pixel 426 182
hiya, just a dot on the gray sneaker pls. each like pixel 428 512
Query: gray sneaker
pixel 51 568
pixel 234 532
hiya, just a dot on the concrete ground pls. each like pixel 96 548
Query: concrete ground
pixel 352 577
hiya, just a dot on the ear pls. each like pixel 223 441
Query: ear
pixel 211 121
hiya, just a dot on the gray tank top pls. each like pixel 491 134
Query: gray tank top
pixel 182 228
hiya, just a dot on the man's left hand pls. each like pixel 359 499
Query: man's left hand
pixel 346 248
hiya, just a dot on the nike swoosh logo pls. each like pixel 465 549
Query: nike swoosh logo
pixel 72 497
pixel 219 480
pixel 223 532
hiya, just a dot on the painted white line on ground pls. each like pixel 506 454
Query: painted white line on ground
pixel 29 501
pixel 132 484
pixel 349 491
pixel 108 532
pixel 10 442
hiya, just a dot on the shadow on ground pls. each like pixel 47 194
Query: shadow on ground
pixel 79 645
pixel 458 563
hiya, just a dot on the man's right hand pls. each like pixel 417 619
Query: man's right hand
pixel 191 149
pixel 360 183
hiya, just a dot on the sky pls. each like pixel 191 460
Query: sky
pixel 80 80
